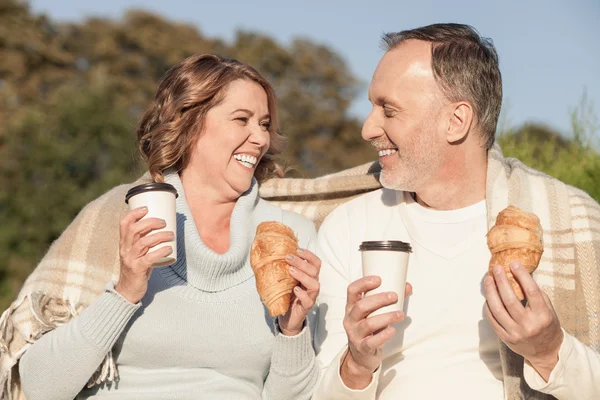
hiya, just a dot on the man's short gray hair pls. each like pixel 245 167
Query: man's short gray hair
pixel 465 65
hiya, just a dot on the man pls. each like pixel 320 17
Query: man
pixel 436 96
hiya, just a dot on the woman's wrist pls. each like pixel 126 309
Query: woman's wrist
pixel 287 331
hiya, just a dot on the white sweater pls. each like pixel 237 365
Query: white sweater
pixel 445 348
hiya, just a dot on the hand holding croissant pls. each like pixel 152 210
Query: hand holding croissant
pixel 517 236
pixel 532 330
pixel 286 276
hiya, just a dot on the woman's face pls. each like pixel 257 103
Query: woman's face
pixel 234 138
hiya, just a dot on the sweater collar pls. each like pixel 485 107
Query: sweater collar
pixel 199 265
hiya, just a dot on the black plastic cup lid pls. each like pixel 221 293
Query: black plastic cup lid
pixel 389 245
pixel 150 187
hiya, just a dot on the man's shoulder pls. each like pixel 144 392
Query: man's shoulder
pixel 583 207
pixel 577 198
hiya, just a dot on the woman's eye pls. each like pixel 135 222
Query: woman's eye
pixel 242 119
pixel 266 125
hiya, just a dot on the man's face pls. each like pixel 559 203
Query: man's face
pixel 405 124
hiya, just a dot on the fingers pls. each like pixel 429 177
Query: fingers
pixel 304 265
pixel 368 304
pixel 496 306
pixel 142 246
pixel 533 293
pixel 507 295
pixel 500 331
pixel 141 228
pixel 310 258
pixel 309 282
pixel 374 342
pixel 131 217
pixel 376 323
pixel 155 255
pixel 358 287
pixel 307 301
pixel 407 290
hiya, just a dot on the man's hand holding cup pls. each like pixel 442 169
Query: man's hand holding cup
pixel 374 303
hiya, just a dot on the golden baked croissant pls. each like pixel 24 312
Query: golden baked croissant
pixel 517 235
pixel 273 241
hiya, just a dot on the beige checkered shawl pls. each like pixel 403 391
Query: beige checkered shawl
pixel 73 272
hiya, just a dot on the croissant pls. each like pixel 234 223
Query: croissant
pixel 273 241
pixel 517 235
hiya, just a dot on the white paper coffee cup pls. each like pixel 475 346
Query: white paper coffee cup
pixel 160 200
pixel 387 259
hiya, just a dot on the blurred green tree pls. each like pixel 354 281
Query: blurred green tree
pixel 574 160
pixel 70 95
pixel 55 160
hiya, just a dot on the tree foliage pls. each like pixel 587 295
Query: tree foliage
pixel 70 95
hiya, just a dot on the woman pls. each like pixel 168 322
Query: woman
pixel 195 329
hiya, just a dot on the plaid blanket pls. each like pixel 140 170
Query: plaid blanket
pixel 78 264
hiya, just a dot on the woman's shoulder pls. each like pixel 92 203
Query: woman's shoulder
pixel 293 219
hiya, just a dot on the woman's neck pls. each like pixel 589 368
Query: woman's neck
pixel 211 213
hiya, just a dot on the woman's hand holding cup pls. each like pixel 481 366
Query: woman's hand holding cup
pixel 136 239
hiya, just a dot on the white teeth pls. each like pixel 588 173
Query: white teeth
pixel 246 160
pixel 386 152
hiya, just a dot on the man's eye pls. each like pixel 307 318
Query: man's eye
pixel 387 112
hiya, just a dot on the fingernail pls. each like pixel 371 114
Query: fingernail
pixel 515 264
pixel 292 270
pixel 297 289
pixel 398 314
pixel 498 270
pixel 289 257
pixel 299 250
pixel 144 208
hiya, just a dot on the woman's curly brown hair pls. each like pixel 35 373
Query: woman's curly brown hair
pixel 169 128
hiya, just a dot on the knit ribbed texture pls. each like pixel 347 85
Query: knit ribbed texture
pixel 103 321
pixel 292 353
pixel 207 270
pixel 201 330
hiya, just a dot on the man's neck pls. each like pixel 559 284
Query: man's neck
pixel 460 184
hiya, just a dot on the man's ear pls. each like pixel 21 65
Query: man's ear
pixel 460 118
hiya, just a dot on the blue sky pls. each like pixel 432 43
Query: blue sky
pixel 549 51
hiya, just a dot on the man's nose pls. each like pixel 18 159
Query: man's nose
pixel 371 127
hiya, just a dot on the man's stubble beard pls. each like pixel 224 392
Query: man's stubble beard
pixel 415 163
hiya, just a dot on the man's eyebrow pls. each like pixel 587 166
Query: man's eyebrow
pixel 382 100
